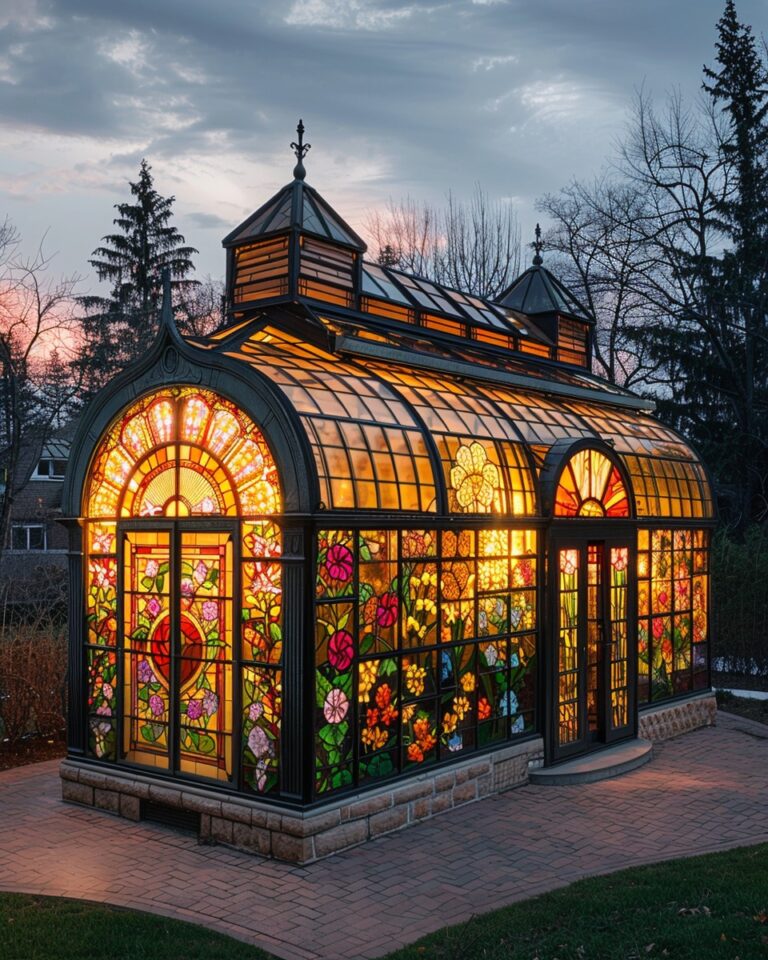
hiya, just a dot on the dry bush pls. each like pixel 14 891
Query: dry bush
pixel 33 662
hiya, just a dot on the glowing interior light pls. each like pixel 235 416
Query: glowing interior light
pixel 161 420
pixel 195 419
pixel 224 430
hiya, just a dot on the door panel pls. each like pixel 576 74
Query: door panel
pixel 177 649
pixel 592 663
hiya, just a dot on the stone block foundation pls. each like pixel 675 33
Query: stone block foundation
pixel 669 720
pixel 300 837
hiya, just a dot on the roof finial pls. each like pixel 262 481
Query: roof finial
pixel 300 149
pixel 537 246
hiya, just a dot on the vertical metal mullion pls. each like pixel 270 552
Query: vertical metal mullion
pixel 606 653
pixel 174 605
pixel 120 651
pixel 236 665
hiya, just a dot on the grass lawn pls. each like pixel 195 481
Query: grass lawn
pixel 715 906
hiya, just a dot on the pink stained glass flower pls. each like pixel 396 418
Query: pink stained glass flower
pixel 210 610
pixel 145 672
pixel 338 561
pixel 103 542
pixel 336 706
pixel 107 691
pixel 187 587
pixel 386 611
pixel 258 742
pixel 151 568
pixel 255 711
pixel 200 572
pixel 341 649
pixel 153 607
pixel 156 705
pixel 195 709
pixel 210 703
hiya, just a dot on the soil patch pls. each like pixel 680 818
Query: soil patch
pixel 31 750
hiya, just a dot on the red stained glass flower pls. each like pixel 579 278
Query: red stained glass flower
pixel 340 649
pixel 386 611
pixel 338 561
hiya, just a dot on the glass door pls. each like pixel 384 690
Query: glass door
pixel 592 700
pixel 177 649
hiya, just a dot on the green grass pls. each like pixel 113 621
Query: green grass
pixel 49 928
pixel 713 907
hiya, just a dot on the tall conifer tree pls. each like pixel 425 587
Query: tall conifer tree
pixel 119 328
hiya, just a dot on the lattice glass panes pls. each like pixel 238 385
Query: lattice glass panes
pixel 182 452
pixel 379 716
pixel 204 661
pixel 102 702
pixel 147 647
pixel 378 591
pixel 334 685
pixel 262 592
pixel 618 666
pixel 673 586
pixel 591 486
pixel 261 720
pixel 568 646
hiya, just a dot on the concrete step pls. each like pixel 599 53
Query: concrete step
pixel 598 765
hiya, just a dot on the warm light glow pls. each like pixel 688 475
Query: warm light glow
pixel 591 486
pixel 177 454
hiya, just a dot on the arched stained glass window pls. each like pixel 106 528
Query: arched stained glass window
pixel 179 494
pixel 183 452
pixel 591 486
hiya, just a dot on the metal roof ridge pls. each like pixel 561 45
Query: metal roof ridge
pixel 366 348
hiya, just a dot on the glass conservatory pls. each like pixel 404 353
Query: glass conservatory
pixel 372 530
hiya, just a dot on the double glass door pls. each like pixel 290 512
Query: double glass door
pixel 593 642
pixel 177 621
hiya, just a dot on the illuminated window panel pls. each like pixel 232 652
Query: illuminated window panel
pixel 425 647
pixel 669 488
pixel 673 590
pixel 590 486
pixel 181 453
pixel 261 270
pixel 569 663
pixel 383 308
pixel 370 467
pixel 485 477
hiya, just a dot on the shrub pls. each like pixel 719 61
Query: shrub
pixel 33 667
pixel 740 605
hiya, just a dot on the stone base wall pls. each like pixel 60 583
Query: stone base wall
pixel 303 837
pixel 673 719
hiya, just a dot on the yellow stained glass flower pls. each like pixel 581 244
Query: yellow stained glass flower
pixel 449 722
pixel 408 712
pixel 375 738
pixel 368 672
pixel 461 706
pixel 468 682
pixel 414 679
pixel 474 478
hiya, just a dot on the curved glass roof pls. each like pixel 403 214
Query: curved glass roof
pixel 386 436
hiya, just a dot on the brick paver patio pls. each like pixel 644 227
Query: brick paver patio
pixel 703 792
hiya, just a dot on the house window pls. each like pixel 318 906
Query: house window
pixel 29 536
pixel 49 468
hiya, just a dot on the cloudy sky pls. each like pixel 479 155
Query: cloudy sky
pixel 399 97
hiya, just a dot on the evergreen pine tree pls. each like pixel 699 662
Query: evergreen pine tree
pixel 119 328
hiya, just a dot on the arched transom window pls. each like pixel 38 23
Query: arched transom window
pixel 591 486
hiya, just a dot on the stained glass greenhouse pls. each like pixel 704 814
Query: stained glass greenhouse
pixel 372 531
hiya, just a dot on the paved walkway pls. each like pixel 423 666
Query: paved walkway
pixel 705 791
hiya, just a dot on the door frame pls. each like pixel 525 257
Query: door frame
pixel 575 533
